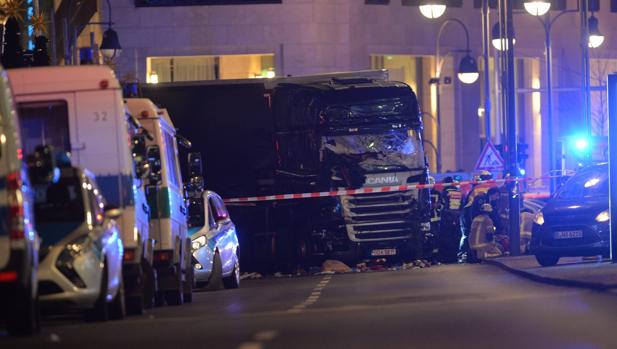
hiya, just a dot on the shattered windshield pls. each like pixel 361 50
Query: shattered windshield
pixel 395 150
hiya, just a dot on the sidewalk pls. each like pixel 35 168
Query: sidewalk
pixel 571 271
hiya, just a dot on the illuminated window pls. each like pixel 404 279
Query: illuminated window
pixel 199 68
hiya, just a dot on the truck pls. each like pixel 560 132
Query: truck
pixel 307 135
pixel 79 110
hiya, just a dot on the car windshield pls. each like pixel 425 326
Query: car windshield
pixel 60 202
pixel 589 183
pixel 395 150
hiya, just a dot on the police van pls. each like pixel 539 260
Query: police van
pixel 79 109
pixel 168 221
pixel 18 238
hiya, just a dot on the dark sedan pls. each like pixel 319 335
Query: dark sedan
pixel 575 221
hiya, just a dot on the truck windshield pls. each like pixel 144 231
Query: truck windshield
pixel 395 150
pixel 44 123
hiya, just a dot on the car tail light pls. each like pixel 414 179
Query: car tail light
pixel 163 256
pixel 16 206
pixel 129 255
pixel 8 276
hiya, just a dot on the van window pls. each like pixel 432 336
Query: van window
pixel 44 123
pixel 172 161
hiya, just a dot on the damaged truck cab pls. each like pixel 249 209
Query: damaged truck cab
pixel 349 134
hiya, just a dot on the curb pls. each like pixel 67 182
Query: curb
pixel 550 280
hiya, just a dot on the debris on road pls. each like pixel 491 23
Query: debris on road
pixel 334 266
pixel 250 276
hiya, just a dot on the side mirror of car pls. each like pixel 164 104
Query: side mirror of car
pixel 154 161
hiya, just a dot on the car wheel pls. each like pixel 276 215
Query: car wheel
pixel 233 280
pixel 547 260
pixel 215 282
pixel 100 311
pixel 23 315
pixel 117 307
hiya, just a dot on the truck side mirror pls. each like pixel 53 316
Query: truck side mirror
pixel 195 184
pixel 42 167
pixel 140 156
pixel 154 159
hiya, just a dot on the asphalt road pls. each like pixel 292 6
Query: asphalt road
pixel 455 306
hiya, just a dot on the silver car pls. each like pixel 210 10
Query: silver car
pixel 81 253
pixel 215 247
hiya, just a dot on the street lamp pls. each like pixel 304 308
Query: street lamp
pixel 595 37
pixel 468 70
pixel 499 42
pixel 537 8
pixel 110 46
pixel 468 74
pixel 433 8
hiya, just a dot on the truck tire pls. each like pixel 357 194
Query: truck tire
pixel 176 297
pixel 188 284
pixel 117 307
pixel 100 311
pixel 233 280
pixel 23 317
pixel 215 282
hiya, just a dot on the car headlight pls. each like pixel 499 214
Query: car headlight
pixel 65 260
pixel 539 218
pixel 603 216
pixel 199 243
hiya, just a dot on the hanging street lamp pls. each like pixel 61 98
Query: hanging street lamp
pixel 432 8
pixel 468 70
pixel 499 42
pixel 595 37
pixel 537 8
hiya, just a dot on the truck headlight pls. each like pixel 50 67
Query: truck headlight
pixel 539 218
pixel 603 216
pixel 199 243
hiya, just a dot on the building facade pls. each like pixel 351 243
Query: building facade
pixel 171 40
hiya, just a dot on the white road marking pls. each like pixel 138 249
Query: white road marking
pixel 313 297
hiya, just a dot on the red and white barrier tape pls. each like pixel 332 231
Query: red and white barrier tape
pixel 369 190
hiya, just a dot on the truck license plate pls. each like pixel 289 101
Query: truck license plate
pixel 569 234
pixel 383 252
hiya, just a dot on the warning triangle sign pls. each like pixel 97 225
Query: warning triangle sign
pixel 490 159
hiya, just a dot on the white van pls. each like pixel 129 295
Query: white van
pixel 79 109
pixel 19 254
pixel 168 221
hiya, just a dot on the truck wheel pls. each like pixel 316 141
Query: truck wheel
pixel 546 260
pixel 117 307
pixel 233 280
pixel 150 282
pixel 22 319
pixel 100 311
pixel 188 284
pixel 176 297
pixel 215 282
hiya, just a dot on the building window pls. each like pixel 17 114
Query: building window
pixel 199 68
pixel 156 3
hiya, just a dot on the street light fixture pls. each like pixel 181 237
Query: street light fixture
pixel 468 70
pixel 499 42
pixel 537 8
pixel 110 46
pixel 595 37
pixel 433 8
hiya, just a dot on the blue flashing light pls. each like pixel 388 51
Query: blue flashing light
pixel 522 171
pixel 581 144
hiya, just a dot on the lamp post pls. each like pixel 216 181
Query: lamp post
pixel 468 74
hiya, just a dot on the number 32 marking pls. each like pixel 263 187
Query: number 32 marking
pixel 100 116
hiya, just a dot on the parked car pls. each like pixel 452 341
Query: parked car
pixel 215 247
pixel 575 221
pixel 18 238
pixel 79 109
pixel 81 252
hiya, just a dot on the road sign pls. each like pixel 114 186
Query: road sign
pixel 490 159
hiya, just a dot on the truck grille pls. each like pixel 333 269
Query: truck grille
pixel 379 216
